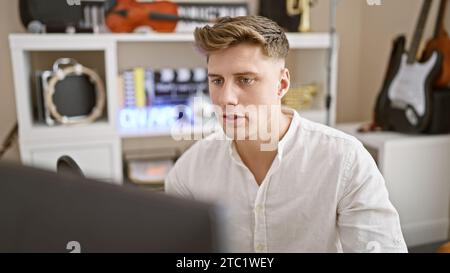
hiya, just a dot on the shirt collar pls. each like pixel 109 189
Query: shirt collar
pixel 287 141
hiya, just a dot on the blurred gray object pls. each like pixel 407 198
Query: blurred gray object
pixel 41 211
pixel 67 165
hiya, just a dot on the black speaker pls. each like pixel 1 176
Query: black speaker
pixel 53 13
pixel 277 11
pixel 440 112
pixel 59 16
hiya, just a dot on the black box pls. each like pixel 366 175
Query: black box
pixel 440 112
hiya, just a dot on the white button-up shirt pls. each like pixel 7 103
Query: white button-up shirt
pixel 322 193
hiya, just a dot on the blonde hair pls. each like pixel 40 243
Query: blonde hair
pixel 232 31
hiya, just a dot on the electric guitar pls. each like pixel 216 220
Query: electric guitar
pixel 381 118
pixel 407 94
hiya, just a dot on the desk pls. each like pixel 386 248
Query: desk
pixel 417 173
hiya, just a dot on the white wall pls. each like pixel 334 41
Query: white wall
pixel 9 22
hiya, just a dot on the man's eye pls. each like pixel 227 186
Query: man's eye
pixel 217 81
pixel 246 81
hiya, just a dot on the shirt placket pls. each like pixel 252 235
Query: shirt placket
pixel 260 244
pixel 260 232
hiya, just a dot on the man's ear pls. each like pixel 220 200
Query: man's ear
pixel 285 81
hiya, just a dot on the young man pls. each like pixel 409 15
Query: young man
pixel 315 190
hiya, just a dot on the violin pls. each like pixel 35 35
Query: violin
pixel 161 16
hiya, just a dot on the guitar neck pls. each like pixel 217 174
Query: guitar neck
pixel 419 31
pixel 440 20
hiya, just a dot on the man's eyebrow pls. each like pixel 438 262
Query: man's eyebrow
pixel 235 74
pixel 245 73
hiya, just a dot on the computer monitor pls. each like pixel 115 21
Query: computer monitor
pixel 42 211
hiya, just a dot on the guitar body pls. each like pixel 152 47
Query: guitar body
pixel 441 44
pixel 381 109
pixel 405 101
pixel 410 92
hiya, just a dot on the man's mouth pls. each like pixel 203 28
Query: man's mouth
pixel 232 117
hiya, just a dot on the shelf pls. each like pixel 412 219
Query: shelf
pixel 314 115
pixel 309 40
pixel 28 41
pixel 44 132
pixel 296 40
pixel 78 42
pixel 153 37
pixel 378 140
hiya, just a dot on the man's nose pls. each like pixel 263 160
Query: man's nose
pixel 228 95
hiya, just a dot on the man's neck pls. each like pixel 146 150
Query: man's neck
pixel 256 159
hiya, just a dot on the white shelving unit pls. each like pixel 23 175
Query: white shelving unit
pixel 89 41
pixel 417 176
pixel 41 145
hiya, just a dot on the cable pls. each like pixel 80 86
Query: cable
pixel 329 98
pixel 9 140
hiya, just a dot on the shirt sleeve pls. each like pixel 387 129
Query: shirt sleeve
pixel 366 219
pixel 175 186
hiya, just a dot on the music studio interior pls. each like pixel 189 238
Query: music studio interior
pixel 87 92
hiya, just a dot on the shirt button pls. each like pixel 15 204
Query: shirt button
pixel 258 208
pixel 260 247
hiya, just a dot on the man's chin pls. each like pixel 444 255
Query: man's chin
pixel 235 133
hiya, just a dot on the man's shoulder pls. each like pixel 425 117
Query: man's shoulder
pixel 328 135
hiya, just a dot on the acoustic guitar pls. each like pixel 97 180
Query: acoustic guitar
pixel 440 42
